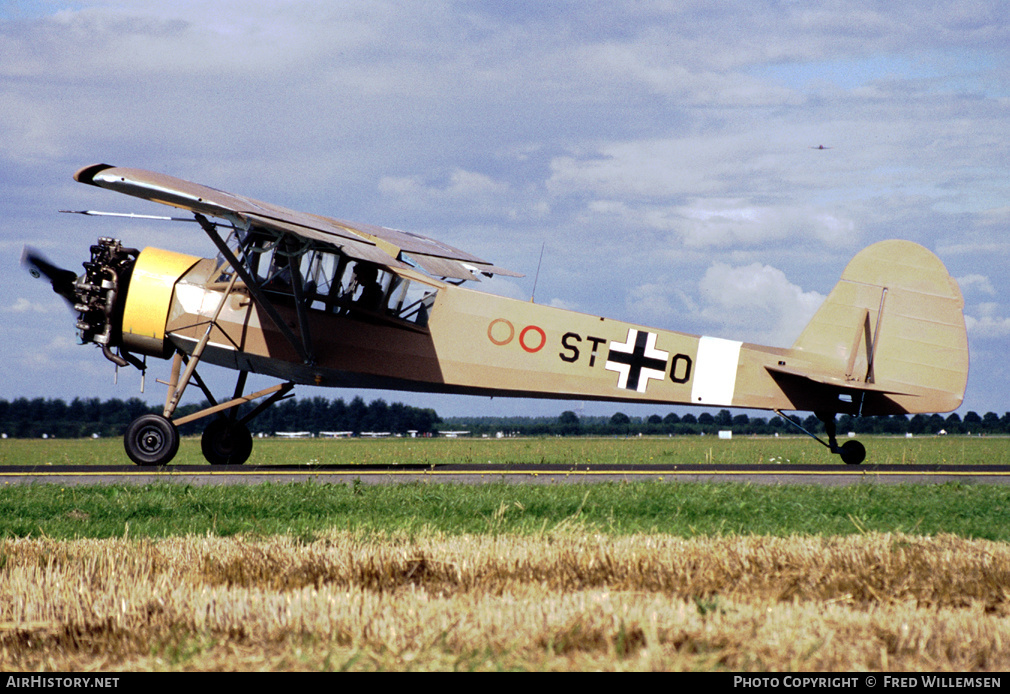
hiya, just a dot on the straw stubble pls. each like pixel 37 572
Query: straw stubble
pixel 554 601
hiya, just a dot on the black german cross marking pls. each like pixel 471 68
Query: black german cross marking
pixel 637 360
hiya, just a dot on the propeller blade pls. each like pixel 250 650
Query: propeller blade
pixel 38 266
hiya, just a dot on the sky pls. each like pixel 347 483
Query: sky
pixel 660 154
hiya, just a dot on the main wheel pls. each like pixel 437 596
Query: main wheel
pixel 225 442
pixel 852 452
pixel 151 440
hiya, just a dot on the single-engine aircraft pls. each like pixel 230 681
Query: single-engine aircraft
pixel 314 300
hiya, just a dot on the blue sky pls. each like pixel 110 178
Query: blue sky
pixel 659 152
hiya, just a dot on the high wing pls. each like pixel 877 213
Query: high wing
pixel 386 247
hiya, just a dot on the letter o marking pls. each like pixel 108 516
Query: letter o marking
pixel 491 332
pixel 529 348
pixel 682 364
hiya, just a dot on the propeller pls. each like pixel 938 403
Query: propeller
pixel 62 280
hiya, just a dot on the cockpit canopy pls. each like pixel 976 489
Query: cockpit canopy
pixel 331 281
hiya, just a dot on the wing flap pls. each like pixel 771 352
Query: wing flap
pixel 358 248
pixel 443 267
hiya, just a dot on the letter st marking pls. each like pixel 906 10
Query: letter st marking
pixel 635 361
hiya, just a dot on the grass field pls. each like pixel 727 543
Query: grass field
pixel 684 450
pixel 309 510
pixel 639 576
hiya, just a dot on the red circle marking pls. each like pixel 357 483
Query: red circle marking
pixel 522 339
pixel 490 329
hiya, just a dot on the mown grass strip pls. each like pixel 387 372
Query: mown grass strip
pixel 682 450
pixel 685 510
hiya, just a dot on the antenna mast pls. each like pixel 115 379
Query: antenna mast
pixel 536 277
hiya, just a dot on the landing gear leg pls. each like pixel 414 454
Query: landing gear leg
pixel 154 439
pixel 851 452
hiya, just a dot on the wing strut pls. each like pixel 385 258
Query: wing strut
pixel 301 346
pixel 294 264
pixel 180 388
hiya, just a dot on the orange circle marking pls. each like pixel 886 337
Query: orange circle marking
pixel 491 331
pixel 522 339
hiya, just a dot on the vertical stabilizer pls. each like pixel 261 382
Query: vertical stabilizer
pixel 893 328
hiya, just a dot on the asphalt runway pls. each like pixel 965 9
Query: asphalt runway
pixel 824 475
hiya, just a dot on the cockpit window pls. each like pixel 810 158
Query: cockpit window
pixel 331 281
pixel 369 288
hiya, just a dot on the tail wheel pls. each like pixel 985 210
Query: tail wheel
pixel 225 442
pixel 852 452
pixel 151 440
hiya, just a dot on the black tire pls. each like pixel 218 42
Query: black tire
pixel 852 452
pixel 151 440
pixel 226 443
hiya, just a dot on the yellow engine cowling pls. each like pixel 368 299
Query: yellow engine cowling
pixel 149 299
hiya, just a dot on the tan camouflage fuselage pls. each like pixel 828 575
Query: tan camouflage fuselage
pixel 877 346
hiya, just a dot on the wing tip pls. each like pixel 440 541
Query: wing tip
pixel 88 173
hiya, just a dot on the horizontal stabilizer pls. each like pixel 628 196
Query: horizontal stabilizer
pixel 838 383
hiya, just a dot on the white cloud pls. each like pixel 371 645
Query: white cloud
pixel 985 321
pixel 668 75
pixel 462 186
pixel 650 168
pixel 23 305
pixel 988 326
pixel 976 283
pixel 732 223
pixel 656 302
pixel 755 303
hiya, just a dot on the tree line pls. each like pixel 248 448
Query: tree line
pixel 86 417
pixel 620 424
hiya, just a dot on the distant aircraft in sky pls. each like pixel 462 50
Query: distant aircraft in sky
pixel 821 147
